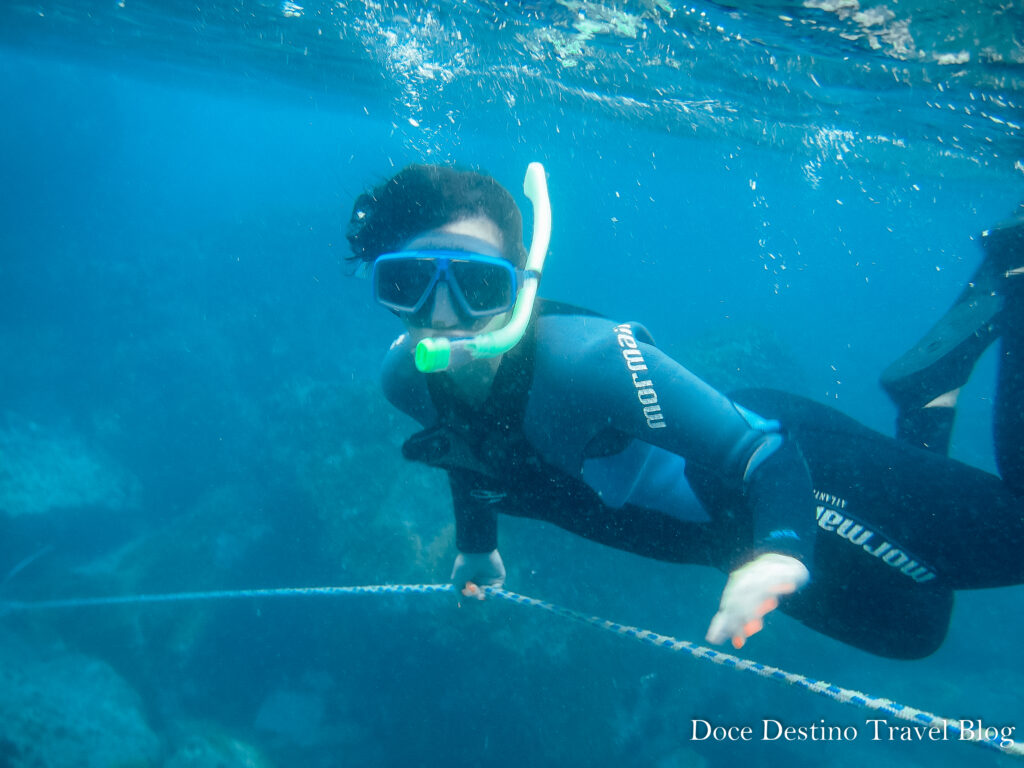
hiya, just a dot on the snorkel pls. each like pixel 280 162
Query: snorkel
pixel 440 353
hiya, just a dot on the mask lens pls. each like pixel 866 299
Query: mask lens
pixel 402 283
pixel 486 287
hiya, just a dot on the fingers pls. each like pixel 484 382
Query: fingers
pixel 751 593
pixel 739 624
pixel 716 633
pixel 768 606
pixel 752 627
pixel 473 591
pixel 474 572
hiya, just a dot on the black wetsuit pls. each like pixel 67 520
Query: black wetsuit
pixel 591 427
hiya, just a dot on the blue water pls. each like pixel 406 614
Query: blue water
pixel 800 184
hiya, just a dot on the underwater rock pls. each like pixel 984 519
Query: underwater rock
pixel 43 470
pixel 59 708
pixel 292 716
pixel 373 515
pixel 207 746
pixel 212 546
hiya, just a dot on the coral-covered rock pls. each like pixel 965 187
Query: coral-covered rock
pixel 207 746
pixel 59 708
pixel 42 470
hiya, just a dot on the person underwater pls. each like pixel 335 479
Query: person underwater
pixel 546 410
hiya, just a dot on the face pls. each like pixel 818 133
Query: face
pixel 440 316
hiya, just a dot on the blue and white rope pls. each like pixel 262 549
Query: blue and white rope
pixel 865 701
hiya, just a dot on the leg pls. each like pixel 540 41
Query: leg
pixel 873 608
pixel 1008 427
pixel 899 529
pixel 898 607
pixel 925 381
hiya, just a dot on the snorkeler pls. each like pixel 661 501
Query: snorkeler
pixel 546 410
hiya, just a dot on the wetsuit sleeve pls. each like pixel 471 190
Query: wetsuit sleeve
pixel 779 492
pixel 476 515
pixel 647 395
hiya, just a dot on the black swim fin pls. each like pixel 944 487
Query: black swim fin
pixel 943 359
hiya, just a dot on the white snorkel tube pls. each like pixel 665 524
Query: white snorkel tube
pixel 439 353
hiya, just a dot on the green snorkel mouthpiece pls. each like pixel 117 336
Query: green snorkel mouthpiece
pixel 440 353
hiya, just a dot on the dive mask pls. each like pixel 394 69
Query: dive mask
pixel 480 285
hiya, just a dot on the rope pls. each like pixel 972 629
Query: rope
pixel 917 717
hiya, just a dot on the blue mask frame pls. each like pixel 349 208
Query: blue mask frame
pixel 387 266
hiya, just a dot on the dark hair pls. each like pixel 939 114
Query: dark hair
pixel 423 197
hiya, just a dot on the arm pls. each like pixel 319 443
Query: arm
pixel 476 534
pixel 730 452
pixel 476 513
pixel 476 526
pixel 643 393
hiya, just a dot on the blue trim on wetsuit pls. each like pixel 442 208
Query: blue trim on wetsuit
pixel 646 476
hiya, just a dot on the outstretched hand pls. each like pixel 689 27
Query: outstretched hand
pixel 753 590
pixel 473 571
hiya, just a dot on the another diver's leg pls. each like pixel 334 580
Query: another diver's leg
pixel 1008 426
pixel 927 426
pixel 925 381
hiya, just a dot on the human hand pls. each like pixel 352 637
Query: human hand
pixel 473 571
pixel 752 591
